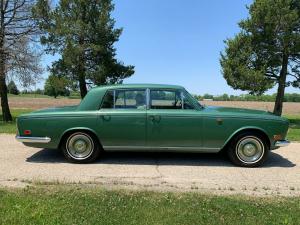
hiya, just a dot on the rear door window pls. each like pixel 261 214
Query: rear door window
pixel 124 99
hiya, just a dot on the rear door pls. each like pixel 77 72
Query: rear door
pixel 172 121
pixel 122 119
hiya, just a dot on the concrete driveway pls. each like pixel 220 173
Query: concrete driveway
pixel 21 166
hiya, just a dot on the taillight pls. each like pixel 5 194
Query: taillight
pixel 27 132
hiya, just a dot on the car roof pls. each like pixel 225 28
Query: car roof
pixel 115 86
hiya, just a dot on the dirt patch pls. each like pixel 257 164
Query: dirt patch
pixel 40 103
pixel 288 107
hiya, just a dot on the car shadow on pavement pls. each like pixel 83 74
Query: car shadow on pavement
pixel 147 158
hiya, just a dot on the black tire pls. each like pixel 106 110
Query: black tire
pixel 88 153
pixel 242 146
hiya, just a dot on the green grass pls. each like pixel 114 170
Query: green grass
pixel 72 96
pixel 10 128
pixel 82 205
pixel 294 131
pixel 293 134
pixel 29 96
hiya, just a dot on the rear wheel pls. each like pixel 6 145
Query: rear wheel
pixel 80 147
pixel 248 149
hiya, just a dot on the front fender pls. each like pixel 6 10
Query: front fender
pixel 244 129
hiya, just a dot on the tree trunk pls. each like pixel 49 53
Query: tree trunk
pixel 281 87
pixel 82 60
pixel 82 85
pixel 81 77
pixel 3 88
pixel 3 94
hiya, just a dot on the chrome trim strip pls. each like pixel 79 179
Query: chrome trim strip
pixel 33 139
pixel 182 103
pixel 148 98
pixel 114 99
pixel 282 143
pixel 135 148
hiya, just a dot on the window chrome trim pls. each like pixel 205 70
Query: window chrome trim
pixel 182 102
pixel 114 98
pixel 148 98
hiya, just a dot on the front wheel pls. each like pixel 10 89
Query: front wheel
pixel 80 147
pixel 248 150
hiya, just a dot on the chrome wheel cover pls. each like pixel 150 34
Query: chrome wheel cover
pixel 80 146
pixel 250 149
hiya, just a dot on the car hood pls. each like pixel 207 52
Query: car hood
pixel 236 111
pixel 57 109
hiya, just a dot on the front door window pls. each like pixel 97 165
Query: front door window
pixel 169 99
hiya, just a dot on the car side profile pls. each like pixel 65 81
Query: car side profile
pixel 152 117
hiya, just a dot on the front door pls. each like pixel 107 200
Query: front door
pixel 122 119
pixel 172 122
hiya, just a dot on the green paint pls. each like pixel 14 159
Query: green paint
pixel 174 128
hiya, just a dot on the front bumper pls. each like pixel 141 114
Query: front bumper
pixel 33 139
pixel 282 143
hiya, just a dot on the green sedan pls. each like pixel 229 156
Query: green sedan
pixel 150 118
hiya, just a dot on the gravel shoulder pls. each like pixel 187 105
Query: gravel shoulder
pixel 208 173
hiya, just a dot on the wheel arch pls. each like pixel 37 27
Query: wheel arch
pixel 79 129
pixel 248 129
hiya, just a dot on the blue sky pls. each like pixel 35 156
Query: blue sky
pixel 178 42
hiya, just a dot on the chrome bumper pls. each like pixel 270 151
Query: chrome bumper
pixel 282 143
pixel 33 139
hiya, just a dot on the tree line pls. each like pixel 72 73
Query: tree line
pixel 288 97
pixel 265 53
pixel 55 86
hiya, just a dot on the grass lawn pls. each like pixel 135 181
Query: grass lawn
pixel 72 96
pixel 29 96
pixel 294 131
pixel 82 205
pixel 11 128
pixel 293 134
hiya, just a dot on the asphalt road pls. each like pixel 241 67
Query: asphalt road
pixel 21 166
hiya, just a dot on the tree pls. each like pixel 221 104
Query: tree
pixel 39 91
pixel 24 63
pixel 208 96
pixel 17 30
pixel 55 86
pixel 83 33
pixel 225 97
pixel 12 88
pixel 267 50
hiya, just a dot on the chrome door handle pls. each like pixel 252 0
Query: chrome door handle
pixel 106 117
pixel 155 118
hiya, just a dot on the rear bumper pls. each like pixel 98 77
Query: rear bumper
pixel 33 139
pixel 282 143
